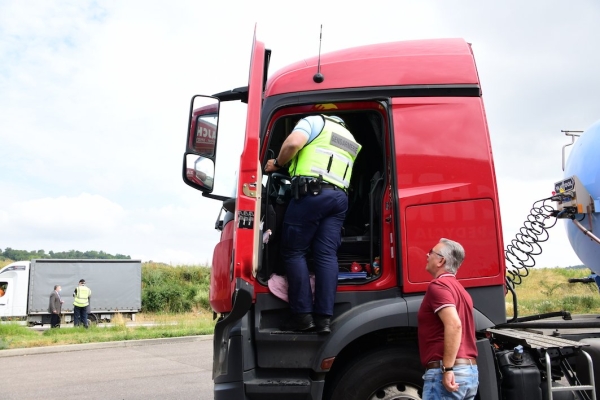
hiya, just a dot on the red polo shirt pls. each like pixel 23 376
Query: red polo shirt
pixel 445 291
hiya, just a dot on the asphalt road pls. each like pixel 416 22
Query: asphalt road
pixel 164 369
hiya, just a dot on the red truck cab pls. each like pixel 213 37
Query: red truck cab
pixel 425 172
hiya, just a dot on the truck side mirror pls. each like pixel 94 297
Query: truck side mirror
pixel 203 126
pixel 200 155
pixel 199 172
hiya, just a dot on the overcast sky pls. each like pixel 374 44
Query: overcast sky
pixel 94 97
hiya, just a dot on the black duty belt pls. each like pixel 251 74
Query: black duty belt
pixel 331 187
pixel 302 186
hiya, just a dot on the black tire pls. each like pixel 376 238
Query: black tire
pixel 382 374
pixel 92 319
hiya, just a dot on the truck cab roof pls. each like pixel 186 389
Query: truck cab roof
pixel 416 62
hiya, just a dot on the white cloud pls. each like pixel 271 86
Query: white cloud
pixel 63 219
pixel 516 203
pixel 95 97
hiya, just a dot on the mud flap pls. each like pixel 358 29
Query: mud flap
pixel 244 292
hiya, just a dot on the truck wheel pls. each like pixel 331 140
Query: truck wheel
pixel 382 374
pixel 92 320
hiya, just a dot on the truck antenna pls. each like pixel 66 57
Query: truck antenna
pixel 318 77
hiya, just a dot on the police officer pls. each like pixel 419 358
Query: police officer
pixel 321 153
pixel 82 296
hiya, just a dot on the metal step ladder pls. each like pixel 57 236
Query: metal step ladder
pixel 560 348
pixel 571 388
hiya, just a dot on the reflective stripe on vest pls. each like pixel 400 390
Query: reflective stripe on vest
pixel 331 154
pixel 82 296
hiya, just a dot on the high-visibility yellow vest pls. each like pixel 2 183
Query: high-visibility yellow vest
pixel 331 155
pixel 82 296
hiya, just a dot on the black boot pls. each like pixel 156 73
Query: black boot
pixel 299 323
pixel 322 323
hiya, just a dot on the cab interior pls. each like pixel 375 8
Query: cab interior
pixel 361 232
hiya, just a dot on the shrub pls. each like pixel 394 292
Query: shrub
pixel 174 289
pixel 546 306
pixel 579 304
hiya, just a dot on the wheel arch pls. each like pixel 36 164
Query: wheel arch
pixel 398 367
pixel 367 320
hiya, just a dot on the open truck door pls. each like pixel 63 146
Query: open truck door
pixel 234 265
pixel 246 227
pixel 247 213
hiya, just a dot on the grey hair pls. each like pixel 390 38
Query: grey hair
pixel 454 254
pixel 56 287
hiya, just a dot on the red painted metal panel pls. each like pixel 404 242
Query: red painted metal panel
pixel 220 287
pixel 444 160
pixel 472 223
pixel 418 62
pixel 247 218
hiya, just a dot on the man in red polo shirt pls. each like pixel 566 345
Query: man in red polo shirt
pixel 447 328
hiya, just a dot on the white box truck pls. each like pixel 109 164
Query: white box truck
pixel 116 288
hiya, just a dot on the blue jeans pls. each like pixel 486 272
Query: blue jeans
pixel 467 377
pixel 313 222
pixel 80 316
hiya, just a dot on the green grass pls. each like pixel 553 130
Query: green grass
pixel 177 299
pixel 174 297
pixel 548 290
pixel 14 336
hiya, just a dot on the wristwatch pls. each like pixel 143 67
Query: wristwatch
pixel 276 163
pixel 444 369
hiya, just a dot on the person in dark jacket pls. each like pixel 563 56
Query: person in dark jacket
pixel 55 307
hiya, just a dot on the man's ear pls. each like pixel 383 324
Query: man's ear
pixel 441 263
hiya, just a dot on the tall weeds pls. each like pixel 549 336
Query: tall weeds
pixel 174 289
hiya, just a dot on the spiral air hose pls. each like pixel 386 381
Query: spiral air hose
pixel 526 244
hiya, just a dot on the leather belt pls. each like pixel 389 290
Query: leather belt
pixel 458 361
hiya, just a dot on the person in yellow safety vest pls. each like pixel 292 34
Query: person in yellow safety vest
pixel 82 296
pixel 321 152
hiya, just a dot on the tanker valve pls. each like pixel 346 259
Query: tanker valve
pixel 573 198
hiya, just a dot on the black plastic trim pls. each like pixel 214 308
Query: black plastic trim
pixel 360 321
pixel 242 303
pixel 486 367
pixel 383 93
pixel 240 93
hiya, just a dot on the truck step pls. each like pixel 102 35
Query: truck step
pixel 280 332
pixel 275 388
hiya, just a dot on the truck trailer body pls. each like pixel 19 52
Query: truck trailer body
pixel 115 285
pixel 425 171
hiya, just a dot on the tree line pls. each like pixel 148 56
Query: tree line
pixel 21 255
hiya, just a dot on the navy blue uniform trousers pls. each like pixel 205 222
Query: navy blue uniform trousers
pixel 315 223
